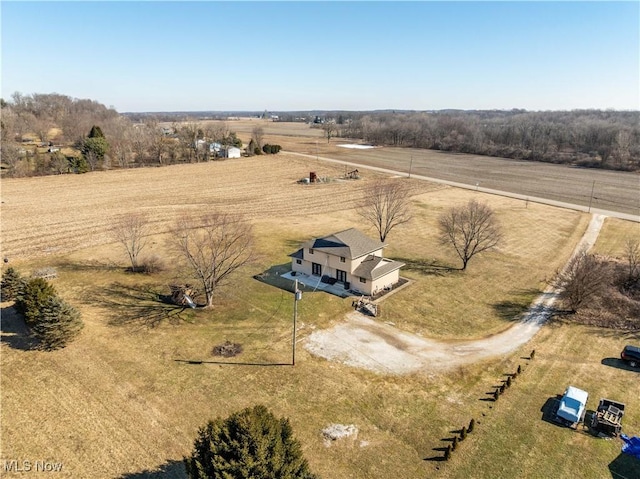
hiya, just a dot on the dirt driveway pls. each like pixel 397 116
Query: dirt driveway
pixel 365 343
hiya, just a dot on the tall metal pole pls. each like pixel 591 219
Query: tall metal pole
pixel 410 166
pixel 591 197
pixel 295 317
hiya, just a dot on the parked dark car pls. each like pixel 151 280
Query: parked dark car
pixel 631 355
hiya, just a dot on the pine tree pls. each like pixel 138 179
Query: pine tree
pixel 34 295
pixel 96 132
pixel 12 285
pixel 57 324
pixel 249 443
pixel 472 424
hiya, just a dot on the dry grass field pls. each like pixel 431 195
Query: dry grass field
pixel 123 401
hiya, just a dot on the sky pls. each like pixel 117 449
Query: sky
pixel 285 56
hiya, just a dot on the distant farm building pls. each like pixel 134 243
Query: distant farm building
pixel 230 152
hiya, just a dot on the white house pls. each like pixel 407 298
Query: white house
pixel 348 257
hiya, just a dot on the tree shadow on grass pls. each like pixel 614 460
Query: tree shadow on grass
pixel 13 330
pixel 89 266
pixel 621 334
pixel 137 305
pixel 426 267
pixel 514 309
pixel 169 470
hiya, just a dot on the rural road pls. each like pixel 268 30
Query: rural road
pixel 365 343
pixel 509 194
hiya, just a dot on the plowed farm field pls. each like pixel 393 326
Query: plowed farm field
pixel 72 212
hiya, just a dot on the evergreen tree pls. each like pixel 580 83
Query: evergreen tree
pixel 251 443
pixel 29 302
pixel 13 284
pixel 251 149
pixel 57 324
pixel 96 132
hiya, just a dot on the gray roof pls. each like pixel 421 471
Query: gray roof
pixel 373 267
pixel 298 254
pixel 349 243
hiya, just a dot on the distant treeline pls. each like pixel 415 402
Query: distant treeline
pixel 591 138
pixel 45 134
pixel 51 134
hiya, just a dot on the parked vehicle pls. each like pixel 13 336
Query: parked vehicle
pixel 631 355
pixel 572 407
pixel 607 418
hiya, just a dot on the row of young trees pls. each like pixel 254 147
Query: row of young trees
pixel 602 139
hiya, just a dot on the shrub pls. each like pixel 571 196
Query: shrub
pixel 508 383
pixel 249 443
pixel 12 285
pixel 463 433
pixel 152 264
pixel 454 444
pixel 271 149
pixel 57 324
pixel 519 370
pixel 447 453
pixel 533 353
pixel 496 395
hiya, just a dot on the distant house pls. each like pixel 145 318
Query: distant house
pixel 348 257
pixel 229 152
pixel 215 147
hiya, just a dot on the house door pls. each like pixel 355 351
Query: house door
pixel 341 276
pixel 316 269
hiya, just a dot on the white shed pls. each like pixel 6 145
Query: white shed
pixel 230 152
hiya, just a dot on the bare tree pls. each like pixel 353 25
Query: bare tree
pixel 470 229
pixel 386 206
pixel 257 135
pixel 632 253
pixel 330 129
pixel 580 280
pixel 131 232
pixel 214 246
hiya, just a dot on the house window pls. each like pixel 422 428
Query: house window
pixel 342 259
pixel 341 276
pixel 316 269
pixel 363 280
pixel 298 261
pixel 310 250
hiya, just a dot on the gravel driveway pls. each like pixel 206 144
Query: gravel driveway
pixel 365 343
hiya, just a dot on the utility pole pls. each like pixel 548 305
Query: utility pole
pixel 297 295
pixel 410 166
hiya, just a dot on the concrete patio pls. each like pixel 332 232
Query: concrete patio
pixel 313 283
